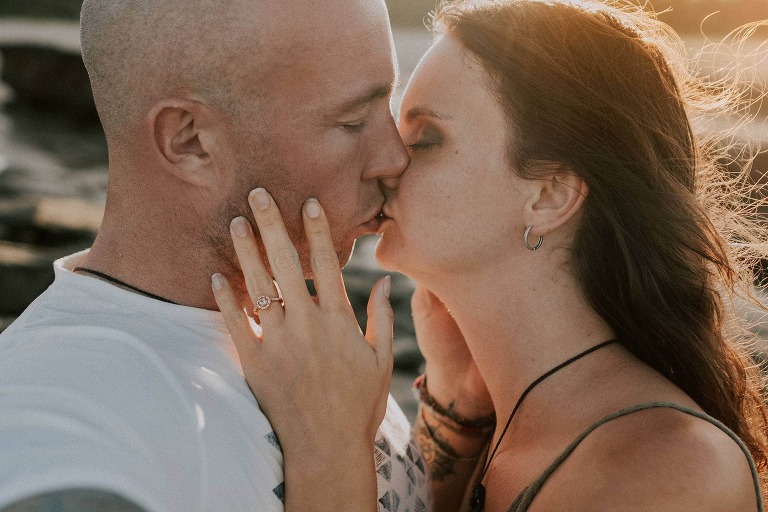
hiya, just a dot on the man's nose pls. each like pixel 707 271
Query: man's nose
pixel 390 156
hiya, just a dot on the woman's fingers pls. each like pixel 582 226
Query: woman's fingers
pixel 381 319
pixel 326 271
pixel 283 258
pixel 238 323
pixel 257 279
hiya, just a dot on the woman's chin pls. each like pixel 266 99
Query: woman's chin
pixel 386 256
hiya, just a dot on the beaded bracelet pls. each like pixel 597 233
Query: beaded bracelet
pixel 451 425
pixel 473 427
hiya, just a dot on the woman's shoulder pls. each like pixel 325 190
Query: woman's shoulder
pixel 658 458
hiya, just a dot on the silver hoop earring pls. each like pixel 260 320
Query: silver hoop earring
pixel 528 244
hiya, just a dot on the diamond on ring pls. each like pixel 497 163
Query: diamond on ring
pixel 263 302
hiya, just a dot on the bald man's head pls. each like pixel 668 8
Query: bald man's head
pixel 140 51
pixel 205 100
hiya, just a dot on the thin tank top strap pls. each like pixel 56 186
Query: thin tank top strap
pixel 525 498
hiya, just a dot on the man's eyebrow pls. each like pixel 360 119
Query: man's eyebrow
pixel 377 92
pixel 416 112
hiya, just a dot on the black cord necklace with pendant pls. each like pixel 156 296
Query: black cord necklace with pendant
pixel 477 500
pixel 118 282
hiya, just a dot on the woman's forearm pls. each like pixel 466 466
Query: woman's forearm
pixel 451 456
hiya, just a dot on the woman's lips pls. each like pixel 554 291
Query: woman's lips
pixel 383 220
pixel 373 225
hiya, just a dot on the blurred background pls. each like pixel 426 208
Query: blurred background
pixel 53 157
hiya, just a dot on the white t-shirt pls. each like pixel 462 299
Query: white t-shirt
pixel 102 388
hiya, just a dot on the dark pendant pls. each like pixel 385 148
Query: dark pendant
pixel 477 500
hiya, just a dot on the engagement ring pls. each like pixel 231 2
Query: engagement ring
pixel 263 302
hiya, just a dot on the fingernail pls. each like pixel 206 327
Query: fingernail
pixel 218 282
pixel 241 227
pixel 387 286
pixel 261 199
pixel 312 207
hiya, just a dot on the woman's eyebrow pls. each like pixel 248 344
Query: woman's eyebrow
pixel 415 112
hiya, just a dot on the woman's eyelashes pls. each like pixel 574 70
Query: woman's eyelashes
pixel 427 139
pixel 421 146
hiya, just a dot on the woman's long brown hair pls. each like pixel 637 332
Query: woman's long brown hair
pixel 668 231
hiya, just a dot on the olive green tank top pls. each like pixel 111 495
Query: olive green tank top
pixel 523 501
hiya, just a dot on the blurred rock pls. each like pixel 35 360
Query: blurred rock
pixel 25 272
pixel 35 232
pixel 41 8
pixel 50 33
pixel 73 216
pixel 43 67
pixel 5 321
pixel 402 12
pixel 45 152
pixel 30 70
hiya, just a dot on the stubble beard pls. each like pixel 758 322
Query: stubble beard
pixel 260 170
pixel 219 239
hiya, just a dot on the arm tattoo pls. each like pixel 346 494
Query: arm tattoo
pixel 441 457
pixel 75 500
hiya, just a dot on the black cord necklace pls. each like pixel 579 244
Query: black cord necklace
pixel 118 282
pixel 477 501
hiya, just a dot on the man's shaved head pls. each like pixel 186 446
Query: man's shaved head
pixel 204 100
pixel 139 51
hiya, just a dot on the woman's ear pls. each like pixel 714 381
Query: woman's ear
pixel 555 199
pixel 180 129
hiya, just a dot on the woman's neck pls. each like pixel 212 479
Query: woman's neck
pixel 518 325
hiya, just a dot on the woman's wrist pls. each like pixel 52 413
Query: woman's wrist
pixel 346 479
pixel 474 423
pixel 446 452
pixel 454 441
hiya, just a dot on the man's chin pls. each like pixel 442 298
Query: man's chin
pixel 344 256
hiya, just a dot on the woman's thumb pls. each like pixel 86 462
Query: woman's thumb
pixel 381 320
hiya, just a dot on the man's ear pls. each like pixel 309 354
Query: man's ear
pixel 182 142
pixel 554 200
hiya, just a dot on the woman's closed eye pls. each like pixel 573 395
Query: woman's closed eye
pixel 428 139
pixel 421 146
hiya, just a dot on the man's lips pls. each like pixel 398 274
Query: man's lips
pixel 383 217
pixel 373 225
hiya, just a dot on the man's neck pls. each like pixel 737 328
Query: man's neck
pixel 169 267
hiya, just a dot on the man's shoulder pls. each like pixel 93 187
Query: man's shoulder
pixel 66 331
pixel 75 500
pixel 70 353
pixel 90 374
pixel 90 405
pixel 57 308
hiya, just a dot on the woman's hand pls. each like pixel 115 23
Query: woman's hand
pixel 455 383
pixel 452 376
pixel 322 384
